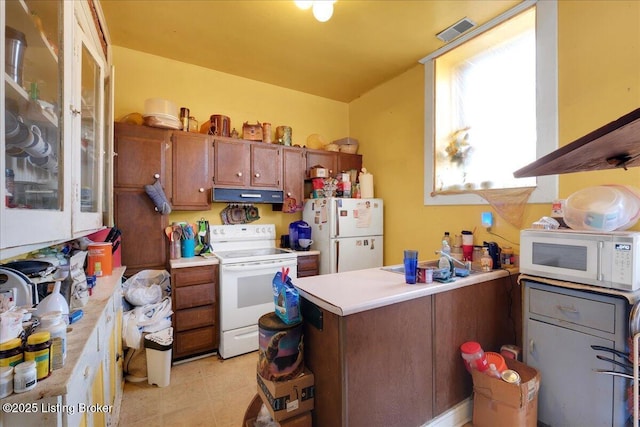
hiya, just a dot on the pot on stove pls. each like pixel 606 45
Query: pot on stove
pixel 299 230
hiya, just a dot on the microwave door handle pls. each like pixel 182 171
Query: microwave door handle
pixel 599 276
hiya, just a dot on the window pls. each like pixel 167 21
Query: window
pixel 491 107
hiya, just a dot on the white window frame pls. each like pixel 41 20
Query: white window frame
pixel 546 189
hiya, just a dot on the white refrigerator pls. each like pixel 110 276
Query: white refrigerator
pixel 347 232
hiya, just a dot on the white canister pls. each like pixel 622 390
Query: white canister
pixel 25 376
pixel 6 381
pixel 56 326
pixel 366 184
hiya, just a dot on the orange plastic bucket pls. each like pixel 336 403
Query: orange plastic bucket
pixel 100 259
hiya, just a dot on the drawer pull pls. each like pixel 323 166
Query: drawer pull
pixel 568 309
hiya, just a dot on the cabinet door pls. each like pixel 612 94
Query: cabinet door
pixel 35 187
pixel 472 313
pixel 232 163
pixel 266 166
pixel 293 169
pixel 143 154
pixel 326 159
pixel 144 244
pixel 191 174
pixel 348 161
pixel 88 131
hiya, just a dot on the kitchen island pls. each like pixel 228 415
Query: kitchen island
pixel 387 353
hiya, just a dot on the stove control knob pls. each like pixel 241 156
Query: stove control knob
pixel 215 230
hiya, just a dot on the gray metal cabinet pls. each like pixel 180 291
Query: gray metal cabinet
pixel 560 326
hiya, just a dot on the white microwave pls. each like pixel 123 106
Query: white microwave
pixel 607 259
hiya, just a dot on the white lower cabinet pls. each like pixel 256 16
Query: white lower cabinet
pixel 87 391
pixel 560 326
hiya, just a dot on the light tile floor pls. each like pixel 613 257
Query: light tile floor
pixel 205 392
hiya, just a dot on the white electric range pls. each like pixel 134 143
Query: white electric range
pixel 249 259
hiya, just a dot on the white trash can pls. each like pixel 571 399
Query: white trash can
pixel 158 351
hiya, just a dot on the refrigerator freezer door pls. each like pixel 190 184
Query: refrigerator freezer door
pixel 352 253
pixel 356 217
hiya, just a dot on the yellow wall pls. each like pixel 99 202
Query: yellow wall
pixel 599 81
pixel 205 92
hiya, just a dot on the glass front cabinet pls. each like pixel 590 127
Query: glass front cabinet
pixel 56 99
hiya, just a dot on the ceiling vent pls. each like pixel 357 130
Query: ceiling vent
pixel 455 30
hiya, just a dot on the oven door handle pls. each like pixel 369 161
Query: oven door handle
pixel 258 265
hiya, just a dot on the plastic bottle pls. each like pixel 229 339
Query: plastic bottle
pixel 474 356
pixel 24 376
pixel 486 262
pixel 39 351
pixel 446 248
pixel 446 238
pixel 54 324
pixel 493 371
pixel 6 381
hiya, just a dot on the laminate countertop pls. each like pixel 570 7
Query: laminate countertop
pixel 361 290
pixel 58 382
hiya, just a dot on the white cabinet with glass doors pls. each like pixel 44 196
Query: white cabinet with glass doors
pixel 54 104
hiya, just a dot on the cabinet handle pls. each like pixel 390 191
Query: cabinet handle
pixel 257 175
pixel 201 190
pixel 567 309
pixel 288 194
pixel 74 111
pixel 531 347
pixel 239 174
pixel 331 171
pixel 156 176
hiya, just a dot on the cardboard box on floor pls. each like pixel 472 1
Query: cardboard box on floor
pixel 497 403
pixel 286 399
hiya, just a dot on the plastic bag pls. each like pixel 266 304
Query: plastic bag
pixel 147 318
pixel 147 287
pixel 79 288
pixel 286 297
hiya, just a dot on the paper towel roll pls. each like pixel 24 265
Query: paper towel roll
pixel 366 184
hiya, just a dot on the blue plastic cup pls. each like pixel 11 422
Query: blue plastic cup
pixel 188 247
pixel 410 266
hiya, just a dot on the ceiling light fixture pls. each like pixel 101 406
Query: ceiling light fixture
pixel 322 9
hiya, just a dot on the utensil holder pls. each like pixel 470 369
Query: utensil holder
pixel 188 248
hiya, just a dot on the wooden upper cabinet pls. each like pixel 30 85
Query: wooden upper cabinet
pixel 192 175
pixel 326 159
pixel 348 161
pixel 293 170
pixel 266 166
pixel 142 154
pixel 231 159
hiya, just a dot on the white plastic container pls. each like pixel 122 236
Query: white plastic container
pixel 53 323
pixel 24 376
pixel 159 107
pixel 603 208
pixel 6 381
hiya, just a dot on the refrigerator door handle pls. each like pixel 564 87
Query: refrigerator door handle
pixel 337 217
pixel 337 255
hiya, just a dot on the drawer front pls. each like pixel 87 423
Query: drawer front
pixel 194 275
pixel 195 318
pixel 308 263
pixel 585 312
pixel 195 341
pixel 194 296
pixel 307 273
